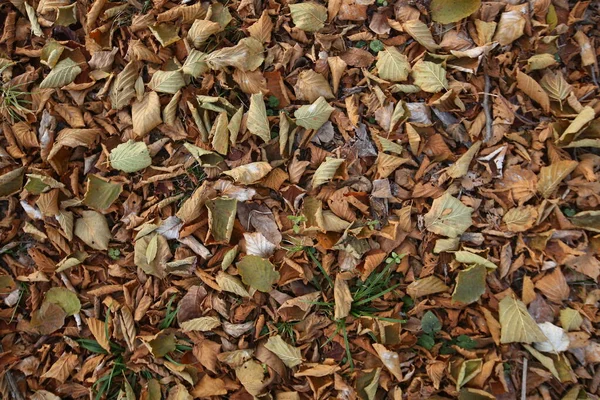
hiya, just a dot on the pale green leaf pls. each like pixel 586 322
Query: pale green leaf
pixel 470 284
pixel 544 360
pixel 36 29
pixel 201 30
pixel 392 65
pixel 258 273
pixel 589 220
pixel 130 157
pixel 308 16
pixel 429 76
pixel 100 194
pixel 287 353
pixel 448 216
pixel 466 257
pixel 315 115
pixel 258 123
pixel 66 15
pixel 221 217
pixel 232 284
pixel 448 11
pixel 540 61
pixel 326 171
pixel 11 182
pixel 169 113
pixel 205 158
pixel 195 64
pixel 65 298
pixel 570 319
pixel 517 325
pixel 167 81
pixel 63 73
pixel 467 371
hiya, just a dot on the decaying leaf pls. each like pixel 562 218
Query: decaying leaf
pixel 290 355
pixel 308 16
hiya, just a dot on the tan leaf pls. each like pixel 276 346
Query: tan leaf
pixel 517 325
pixel 520 219
pixel 308 16
pixel 258 123
pixel 390 359
pixel 290 355
pixel 201 324
pixel 392 65
pixel 533 89
pixel 326 171
pixel 61 369
pixel 250 173
pixel 342 298
pixel 426 286
pixel 123 86
pixel 421 33
pixel 99 330
pixel 146 114
pixel 262 28
pixel 510 28
pixel 554 286
pixel 311 85
pixel 551 176
pixel 201 30
pixel 92 228
pixel 429 76
pixel 337 66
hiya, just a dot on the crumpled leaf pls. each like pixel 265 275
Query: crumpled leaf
pixel 146 114
pixel 448 216
pixel 249 173
pixel 221 217
pixel 557 339
pixel 257 273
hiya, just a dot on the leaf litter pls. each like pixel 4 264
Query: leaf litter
pixel 344 199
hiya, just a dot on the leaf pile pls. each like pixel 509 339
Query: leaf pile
pixel 299 200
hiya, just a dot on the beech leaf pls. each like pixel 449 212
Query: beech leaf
pixel 257 273
pixel 287 353
pixel 517 325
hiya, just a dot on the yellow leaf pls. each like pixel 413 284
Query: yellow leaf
pixel 290 355
pixel 448 216
pixel 146 114
pixel 98 329
pixel 392 65
pixel 426 286
pixel 258 123
pixel 448 11
pixel 308 16
pixel 421 33
pixel 315 115
pixel 429 76
pixel 551 176
pixel 517 325
pixel 326 171
pixel 201 324
pixel 342 298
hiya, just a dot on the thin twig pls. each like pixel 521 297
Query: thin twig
pixel 524 380
pixel 486 103
pixel 12 384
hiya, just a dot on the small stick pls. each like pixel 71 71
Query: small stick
pixel 524 380
pixel 12 384
pixel 486 103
